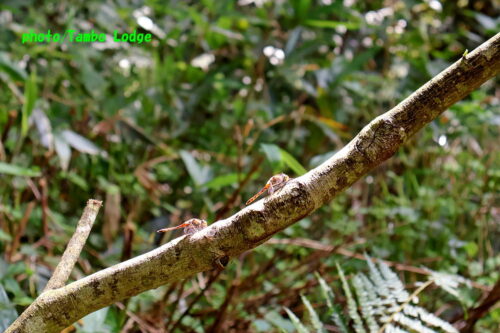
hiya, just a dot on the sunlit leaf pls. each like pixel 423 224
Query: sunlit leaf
pixel 221 181
pixel 273 155
pixel 292 163
pixel 279 158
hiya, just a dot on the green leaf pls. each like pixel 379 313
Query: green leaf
pixel 16 170
pixel 273 155
pixel 292 163
pixel 30 96
pixel 221 181
pixel 279 158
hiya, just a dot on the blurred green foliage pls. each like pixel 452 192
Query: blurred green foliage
pixel 194 122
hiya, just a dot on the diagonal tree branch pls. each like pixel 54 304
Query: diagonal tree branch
pixel 252 226
pixel 75 246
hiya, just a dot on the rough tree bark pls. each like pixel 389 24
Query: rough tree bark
pixel 181 258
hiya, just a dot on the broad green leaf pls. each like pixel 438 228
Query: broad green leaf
pixel 292 163
pixel 16 170
pixel 273 155
pixel 279 158
pixel 221 181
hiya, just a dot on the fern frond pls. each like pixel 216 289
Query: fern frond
pixel 364 301
pixel 351 304
pixel 448 282
pixel 394 329
pixel 315 321
pixel 382 303
pixel 429 318
pixel 326 291
pixel 296 322
pixel 413 324
pixel 375 301
pixel 334 313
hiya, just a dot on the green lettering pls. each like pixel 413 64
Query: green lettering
pixel 115 36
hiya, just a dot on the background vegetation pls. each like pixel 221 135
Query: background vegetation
pixel 192 124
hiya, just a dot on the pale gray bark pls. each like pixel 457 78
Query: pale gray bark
pixel 250 227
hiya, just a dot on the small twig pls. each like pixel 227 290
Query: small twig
pixel 75 246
